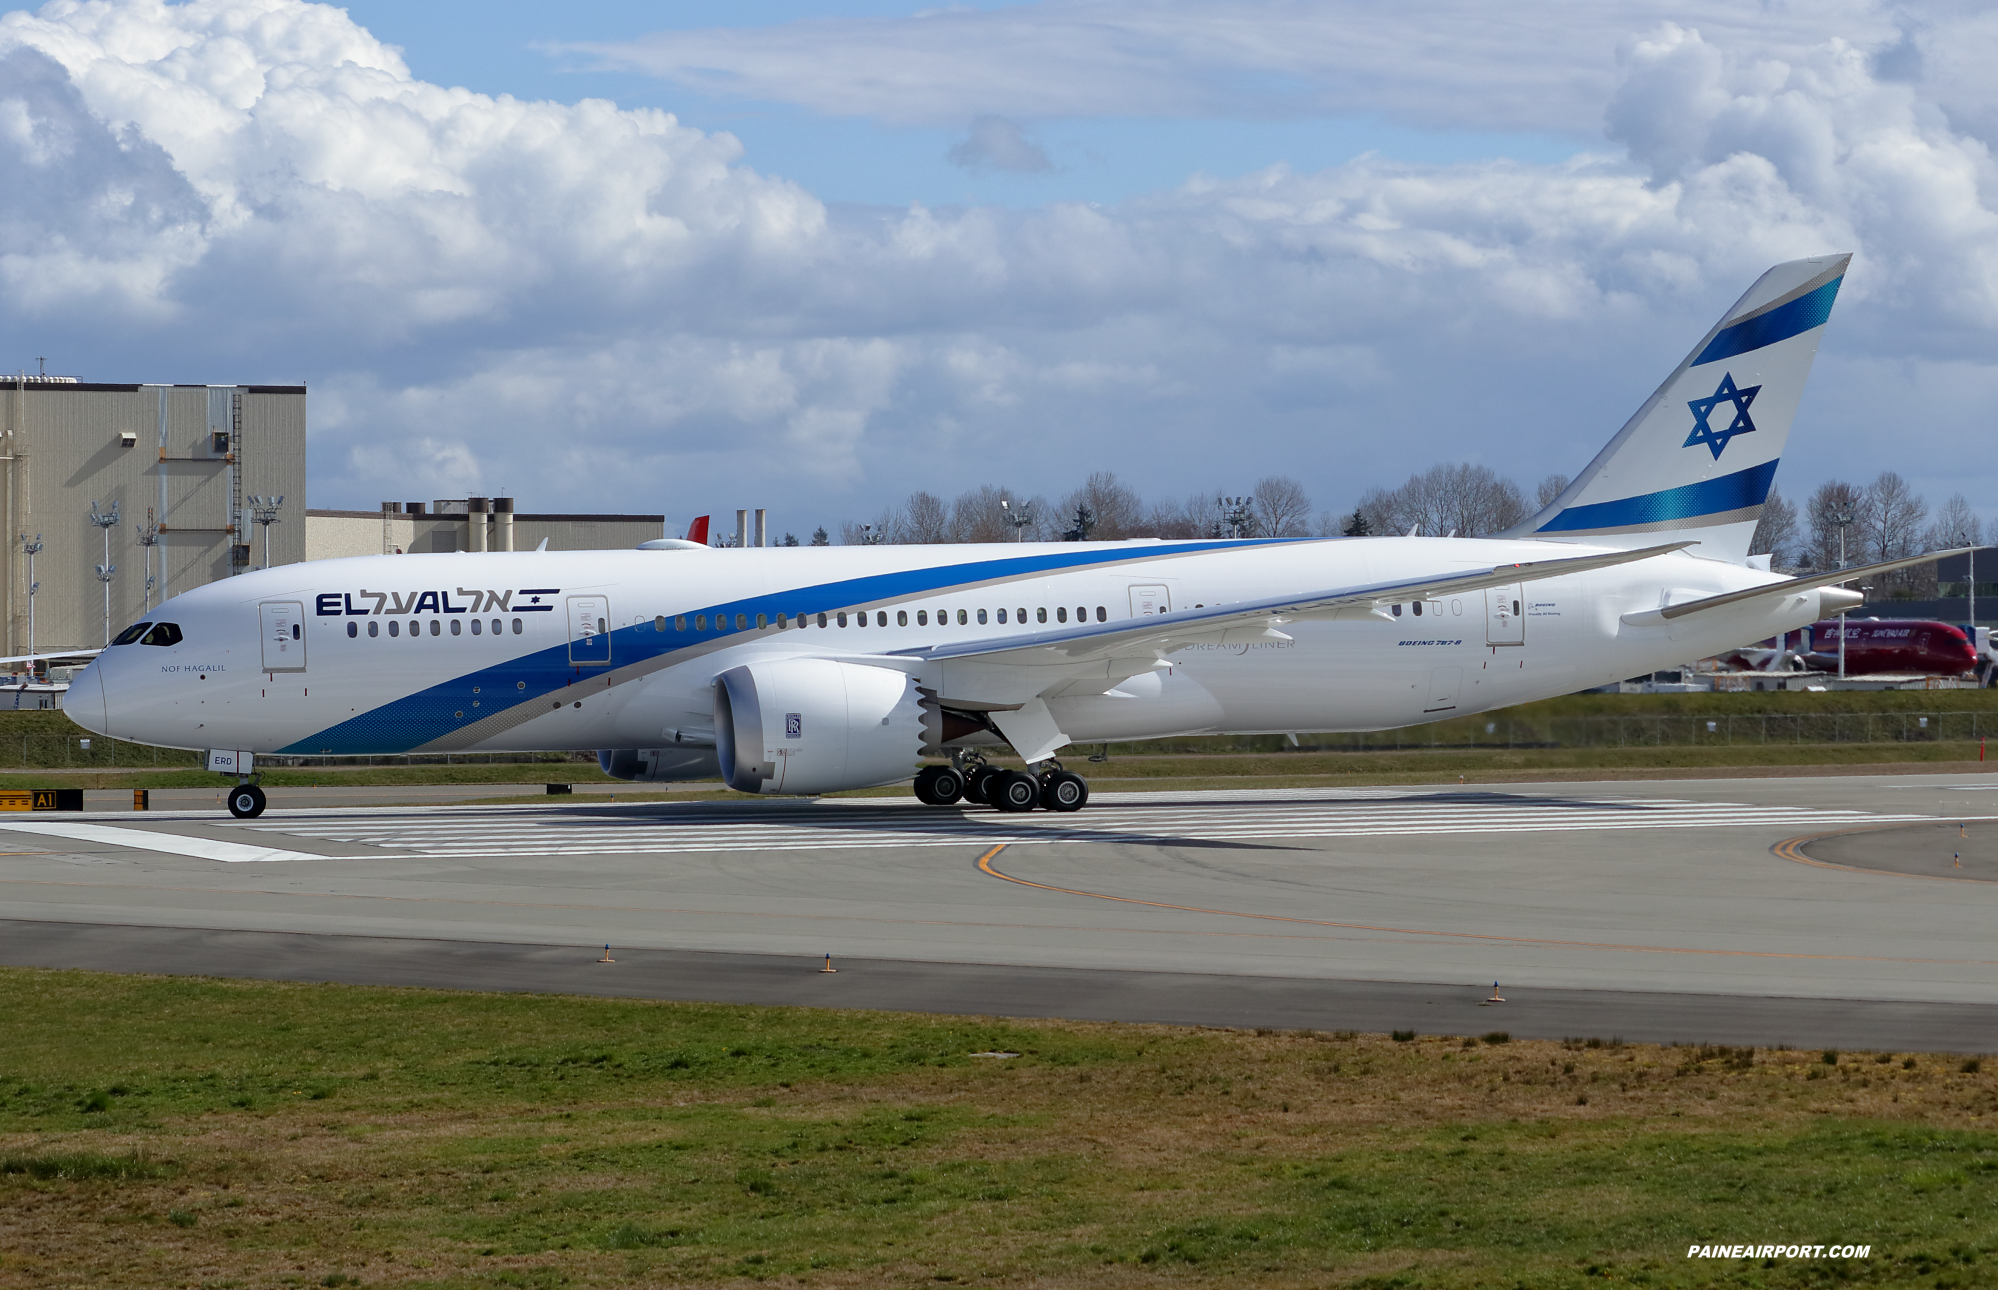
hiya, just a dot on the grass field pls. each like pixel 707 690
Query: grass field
pixel 165 1132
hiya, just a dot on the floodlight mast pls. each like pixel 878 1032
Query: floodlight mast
pixel 264 510
pixel 149 537
pixel 1841 519
pixel 105 522
pixel 1020 519
pixel 31 550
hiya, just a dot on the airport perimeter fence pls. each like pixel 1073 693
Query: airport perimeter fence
pixel 1500 731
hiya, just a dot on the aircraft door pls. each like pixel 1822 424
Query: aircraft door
pixel 283 627
pixel 1504 624
pixel 1443 683
pixel 1147 601
pixel 589 631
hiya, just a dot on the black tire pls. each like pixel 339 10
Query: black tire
pixel 1013 791
pixel 976 782
pixel 948 786
pixel 246 801
pixel 1064 791
pixel 938 785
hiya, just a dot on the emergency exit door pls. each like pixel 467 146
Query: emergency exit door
pixel 1504 624
pixel 1147 601
pixel 589 631
pixel 283 626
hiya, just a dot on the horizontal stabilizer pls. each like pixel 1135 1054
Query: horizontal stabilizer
pixel 1787 587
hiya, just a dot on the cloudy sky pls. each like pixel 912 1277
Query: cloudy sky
pixel 814 254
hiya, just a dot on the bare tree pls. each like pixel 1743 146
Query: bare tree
pixel 1462 498
pixel 1115 509
pixel 976 516
pixel 1548 489
pixel 1776 531
pixel 1282 508
pixel 1892 514
pixel 924 519
pixel 1956 524
pixel 1833 499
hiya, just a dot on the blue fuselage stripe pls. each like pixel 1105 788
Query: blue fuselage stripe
pixel 1800 315
pixel 1709 497
pixel 416 719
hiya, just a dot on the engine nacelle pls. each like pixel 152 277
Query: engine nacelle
pixel 658 765
pixel 808 725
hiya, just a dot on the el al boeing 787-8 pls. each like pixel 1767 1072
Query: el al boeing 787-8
pixel 808 670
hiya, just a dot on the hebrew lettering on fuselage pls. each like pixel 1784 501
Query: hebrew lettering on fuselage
pixel 480 599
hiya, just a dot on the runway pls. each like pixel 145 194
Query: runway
pixel 1664 903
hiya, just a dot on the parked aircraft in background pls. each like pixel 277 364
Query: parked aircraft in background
pixel 807 670
pixel 1872 646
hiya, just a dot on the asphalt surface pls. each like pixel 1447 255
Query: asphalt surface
pixel 1651 910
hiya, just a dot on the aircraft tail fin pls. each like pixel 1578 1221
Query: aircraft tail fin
pixel 698 530
pixel 1699 457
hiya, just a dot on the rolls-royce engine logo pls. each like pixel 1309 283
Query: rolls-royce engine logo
pixel 794 725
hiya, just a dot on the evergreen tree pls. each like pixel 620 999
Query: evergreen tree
pixel 1357 525
pixel 820 537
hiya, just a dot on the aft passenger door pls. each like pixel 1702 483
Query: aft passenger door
pixel 1147 601
pixel 589 631
pixel 283 626
pixel 1504 624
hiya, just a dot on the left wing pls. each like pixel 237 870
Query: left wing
pixel 1011 678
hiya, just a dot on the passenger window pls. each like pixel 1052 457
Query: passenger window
pixel 659 623
pixel 842 619
pixel 1102 614
pixel 163 634
pixel 742 622
pixel 516 627
pixel 1397 611
pixel 1417 605
pixel 457 627
pixel 477 627
pixel 1515 609
pixel 700 622
pixel 1041 613
pixel 762 621
pixel 436 627
pixel 353 629
pixel 822 620
pixel 679 622
pixel 901 618
pixel 862 617
pixel 961 618
pixel 1002 615
pixel 1082 613
pixel 922 618
pixel 1061 614
pixel 981 618
pixel 781 623
pixel 395 628
pixel 374 629
pixel 131 633
pixel 1022 618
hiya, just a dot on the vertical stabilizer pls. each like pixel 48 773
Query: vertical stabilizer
pixel 1699 457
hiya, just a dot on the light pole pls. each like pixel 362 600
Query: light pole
pixel 105 522
pixel 1019 519
pixel 31 549
pixel 149 537
pixel 1842 519
pixel 264 510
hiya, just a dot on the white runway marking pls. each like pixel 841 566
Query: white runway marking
pixel 147 840
pixel 1156 819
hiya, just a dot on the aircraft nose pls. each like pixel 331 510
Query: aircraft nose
pixel 85 703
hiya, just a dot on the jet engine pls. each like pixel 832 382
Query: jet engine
pixel 658 765
pixel 807 725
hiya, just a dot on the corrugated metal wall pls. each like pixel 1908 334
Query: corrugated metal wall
pixel 67 452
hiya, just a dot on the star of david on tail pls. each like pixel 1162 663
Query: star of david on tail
pixel 1703 431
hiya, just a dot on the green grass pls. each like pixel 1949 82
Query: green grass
pixel 263 1134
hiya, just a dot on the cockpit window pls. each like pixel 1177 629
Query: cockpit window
pixel 131 633
pixel 163 634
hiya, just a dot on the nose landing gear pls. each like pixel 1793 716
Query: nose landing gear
pixel 246 801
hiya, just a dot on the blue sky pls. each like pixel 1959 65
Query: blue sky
pixel 876 248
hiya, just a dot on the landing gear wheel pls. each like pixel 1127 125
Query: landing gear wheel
pixel 246 801
pixel 1064 791
pixel 1013 791
pixel 939 785
pixel 977 780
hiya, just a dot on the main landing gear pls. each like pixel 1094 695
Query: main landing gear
pixel 1052 789
pixel 246 801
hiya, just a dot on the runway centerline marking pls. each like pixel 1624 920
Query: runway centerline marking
pixel 986 866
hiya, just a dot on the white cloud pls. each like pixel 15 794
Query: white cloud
pixel 1452 63
pixel 605 309
pixel 999 144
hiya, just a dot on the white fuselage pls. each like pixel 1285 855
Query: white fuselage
pixel 502 651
